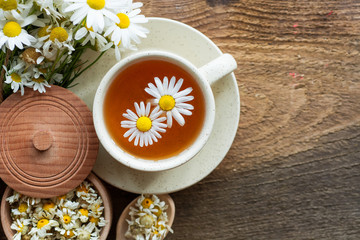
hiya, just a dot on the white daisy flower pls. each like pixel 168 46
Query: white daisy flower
pixel 96 208
pixel 21 227
pixel 88 35
pixel 41 227
pixel 50 7
pixel 59 38
pixel 16 77
pixel 66 234
pixel 128 28
pixel 95 12
pixel 11 9
pixel 83 215
pixel 38 84
pixel 144 127
pixel 60 200
pixel 46 209
pixel 67 218
pixel 170 100
pixel 71 205
pixel 101 222
pixel 12 34
pixel 14 198
pixel 87 232
pixel 22 210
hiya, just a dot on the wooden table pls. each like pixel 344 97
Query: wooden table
pixel 293 171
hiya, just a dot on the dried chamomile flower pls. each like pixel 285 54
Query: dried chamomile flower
pixel 75 215
pixel 148 219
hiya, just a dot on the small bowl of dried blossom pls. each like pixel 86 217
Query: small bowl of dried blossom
pixel 147 217
pixel 85 213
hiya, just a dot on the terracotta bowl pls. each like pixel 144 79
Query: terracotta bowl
pixel 6 218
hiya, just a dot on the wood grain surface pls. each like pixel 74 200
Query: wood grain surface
pixel 293 171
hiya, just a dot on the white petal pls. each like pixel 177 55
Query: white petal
pixel 184 111
pixel 177 87
pixel 185 106
pixel 142 108
pixel 159 86
pixel 165 85
pixel 129 132
pixel 183 93
pixel 137 108
pixel 169 119
pixel 184 99
pixel 177 116
pixel 148 106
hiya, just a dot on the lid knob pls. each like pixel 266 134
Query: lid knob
pixel 42 140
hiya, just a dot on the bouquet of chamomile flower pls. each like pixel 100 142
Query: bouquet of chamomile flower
pixel 42 41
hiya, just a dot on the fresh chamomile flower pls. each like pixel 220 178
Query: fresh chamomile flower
pixel 12 33
pixel 95 12
pixel 16 76
pixel 50 7
pixel 88 35
pixel 21 227
pixel 67 218
pixel 10 9
pixel 170 100
pixel 144 127
pixel 41 227
pixel 128 28
pixel 38 84
pixel 58 39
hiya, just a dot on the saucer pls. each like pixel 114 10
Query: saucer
pixel 187 42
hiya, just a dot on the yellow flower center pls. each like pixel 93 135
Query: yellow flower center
pixel 93 220
pixel 12 29
pixel 84 212
pixel 82 188
pixel 96 4
pixel 124 20
pixel 42 223
pixel 41 80
pixel 59 33
pixel 48 206
pixel 146 203
pixel 143 124
pixel 159 212
pixel 66 219
pixel 15 77
pixel 69 234
pixel 167 103
pixel 43 31
pixel 23 207
pixel 8 5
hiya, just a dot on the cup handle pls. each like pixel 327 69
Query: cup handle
pixel 218 68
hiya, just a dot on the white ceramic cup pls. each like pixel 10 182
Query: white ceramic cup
pixel 204 76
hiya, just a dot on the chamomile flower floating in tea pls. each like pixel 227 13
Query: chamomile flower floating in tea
pixel 144 127
pixel 13 34
pixel 170 100
pixel 95 12
pixel 60 217
pixel 148 220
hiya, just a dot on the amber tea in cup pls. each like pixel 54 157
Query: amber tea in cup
pixel 128 86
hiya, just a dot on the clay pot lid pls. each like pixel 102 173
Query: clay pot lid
pixel 48 144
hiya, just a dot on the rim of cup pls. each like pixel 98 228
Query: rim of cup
pixel 147 164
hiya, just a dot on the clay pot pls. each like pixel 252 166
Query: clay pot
pixel 6 220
